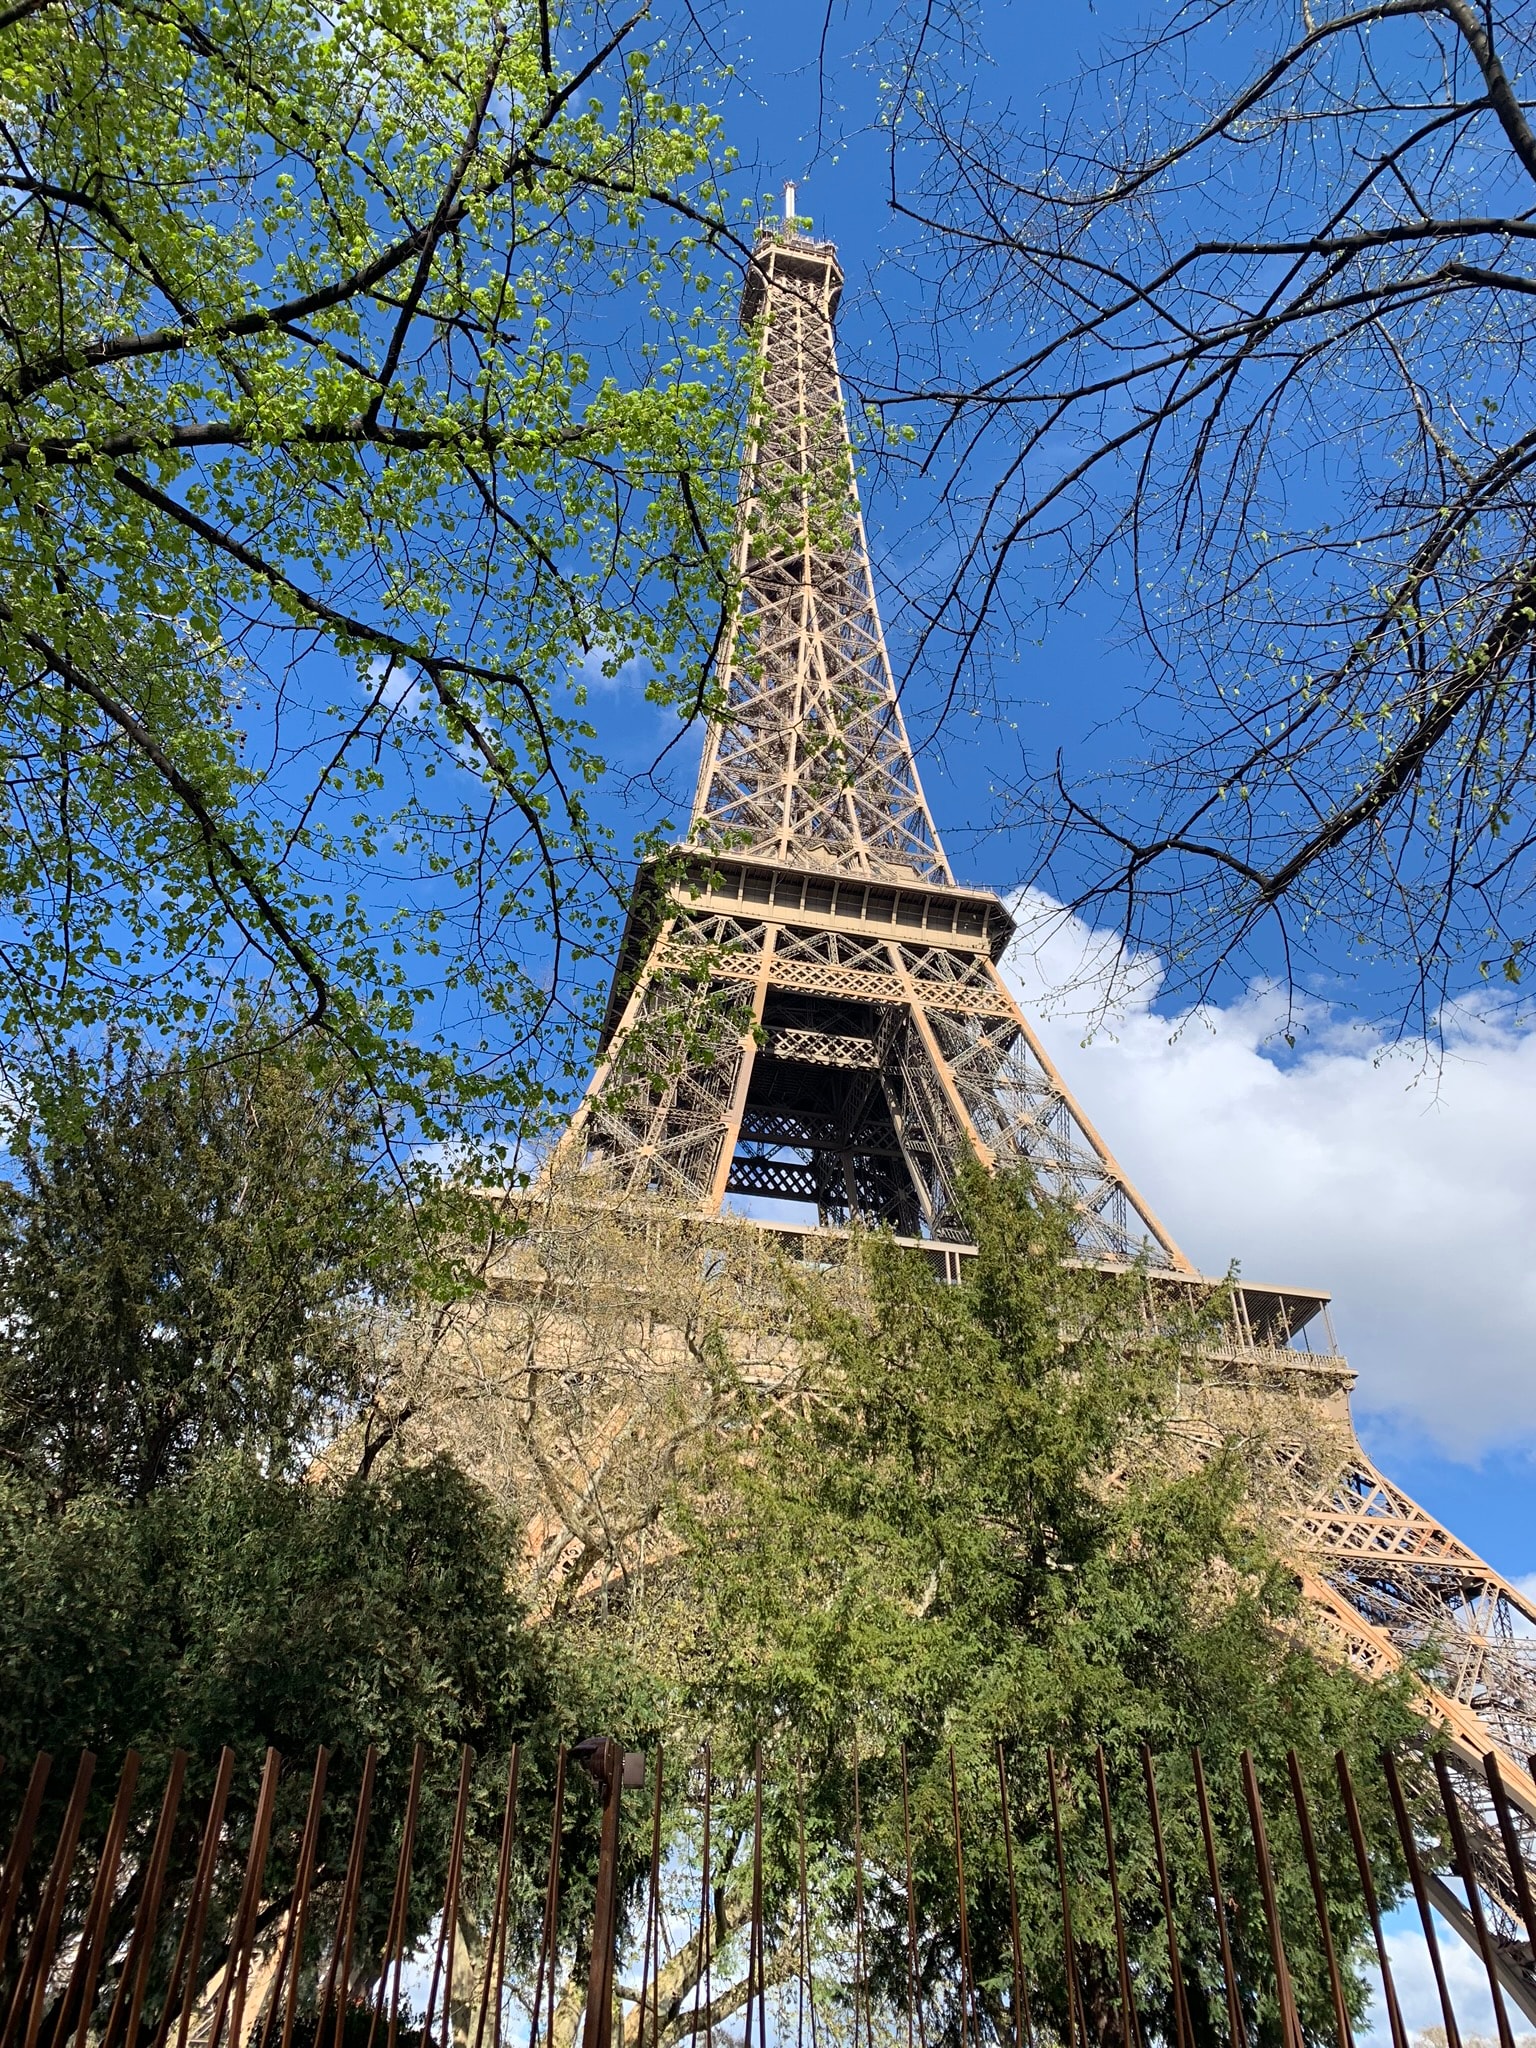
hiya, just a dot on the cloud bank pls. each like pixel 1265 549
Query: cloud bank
pixel 1405 1189
pixel 1413 1980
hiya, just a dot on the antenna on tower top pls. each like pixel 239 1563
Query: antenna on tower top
pixel 789 203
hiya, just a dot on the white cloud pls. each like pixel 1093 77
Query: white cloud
pixel 1413 1980
pixel 1407 1192
pixel 629 679
pixel 401 687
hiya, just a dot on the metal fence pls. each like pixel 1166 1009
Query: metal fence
pixel 641 1901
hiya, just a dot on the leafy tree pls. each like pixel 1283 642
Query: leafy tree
pixel 976 1530
pixel 239 1607
pixel 193 1256
pixel 200 1269
pixel 362 404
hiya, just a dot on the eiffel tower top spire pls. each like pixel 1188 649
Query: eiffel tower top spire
pixel 810 762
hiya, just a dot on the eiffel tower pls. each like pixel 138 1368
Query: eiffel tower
pixel 808 1013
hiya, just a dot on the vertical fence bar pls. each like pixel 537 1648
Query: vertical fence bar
pixel 1175 1961
pixel 551 1908
pixel 648 2023
pixel 757 1885
pixel 352 1892
pixel 400 1903
pixel 967 1978
pixel 1290 2023
pixel 447 1939
pixel 656 1893
pixel 189 1947
pixel 706 1914
pixel 1421 1896
pixel 1235 2025
pixel 755 1921
pixel 598 2031
pixel 807 1995
pixel 1068 1948
pixel 128 2002
pixel 914 1974
pixel 243 1933
pixel 31 1993
pixel 1023 2021
pixel 758 1930
pixel 86 1973
pixel 1128 2028
pixel 1319 1899
pixel 290 1952
pixel 245 1905
pixel 860 1968
pixel 554 1896
pixel 1452 1807
pixel 1368 1892
pixel 19 1855
pixel 496 1940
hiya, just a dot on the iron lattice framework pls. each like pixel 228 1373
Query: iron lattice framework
pixel 808 1011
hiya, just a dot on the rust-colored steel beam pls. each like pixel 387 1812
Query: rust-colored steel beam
pixel 184 1981
pixel 1236 2029
pixel 1368 1893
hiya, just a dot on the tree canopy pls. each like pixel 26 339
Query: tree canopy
pixel 194 1256
pixel 364 404
pixel 200 1272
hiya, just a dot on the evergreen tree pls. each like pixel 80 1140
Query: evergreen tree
pixel 977 1529
pixel 194 1255
pixel 200 1270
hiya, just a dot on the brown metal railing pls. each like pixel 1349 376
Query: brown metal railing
pixel 523 1901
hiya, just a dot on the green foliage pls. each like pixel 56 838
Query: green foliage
pixel 973 1533
pixel 200 1268
pixel 238 1607
pixel 364 402
pixel 193 1255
